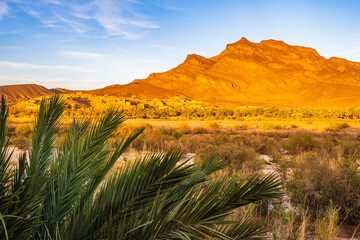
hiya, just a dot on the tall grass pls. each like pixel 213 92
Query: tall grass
pixel 326 227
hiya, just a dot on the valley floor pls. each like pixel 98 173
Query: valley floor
pixel 317 159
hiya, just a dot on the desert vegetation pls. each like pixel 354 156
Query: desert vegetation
pixel 62 188
pixel 178 108
pixel 319 172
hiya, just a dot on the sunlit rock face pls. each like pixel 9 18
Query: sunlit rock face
pixel 245 73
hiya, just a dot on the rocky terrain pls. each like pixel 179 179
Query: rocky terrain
pixel 245 73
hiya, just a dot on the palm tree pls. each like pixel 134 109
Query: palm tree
pixel 65 191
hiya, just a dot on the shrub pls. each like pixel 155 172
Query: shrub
pixel 66 192
pixel 21 142
pixel 22 138
pixel 271 126
pixel 318 179
pixel 23 130
pixel 301 141
pixel 213 125
pixel 238 158
pixel 326 224
pixel 337 127
pixel 200 130
pixel 244 126
pixel 152 139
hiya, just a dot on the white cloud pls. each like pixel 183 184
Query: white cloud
pixel 5 79
pixel 110 15
pixel 31 12
pixel 166 47
pixel 115 17
pixel 76 26
pixel 69 83
pixel 121 49
pixel 149 61
pixel 179 9
pixel 4 9
pixel 17 65
pixel 54 2
pixel 11 47
pixel 73 54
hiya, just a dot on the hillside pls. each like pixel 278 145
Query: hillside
pixel 23 91
pixel 245 73
pixel 137 88
pixel 60 90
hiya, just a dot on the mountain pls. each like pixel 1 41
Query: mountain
pixel 137 88
pixel 269 73
pixel 60 90
pixel 23 91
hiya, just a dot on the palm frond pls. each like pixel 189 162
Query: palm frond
pixel 68 193
pixel 248 228
pixel 43 140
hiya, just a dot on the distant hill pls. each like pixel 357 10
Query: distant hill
pixel 60 90
pixel 245 73
pixel 23 91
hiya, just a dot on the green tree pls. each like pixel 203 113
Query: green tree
pixel 65 191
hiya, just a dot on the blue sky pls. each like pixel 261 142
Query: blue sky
pixel 88 44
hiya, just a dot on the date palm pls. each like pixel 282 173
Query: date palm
pixel 65 191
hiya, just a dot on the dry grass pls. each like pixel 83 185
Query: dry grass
pixel 267 124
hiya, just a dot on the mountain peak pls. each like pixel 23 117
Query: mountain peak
pixel 243 41
pixel 273 42
pixel 271 73
pixel 196 57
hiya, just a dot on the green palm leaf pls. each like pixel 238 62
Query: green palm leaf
pixel 67 192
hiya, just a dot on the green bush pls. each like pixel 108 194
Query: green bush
pixel 326 224
pixel 318 179
pixel 301 142
pixel 152 139
pixel 236 156
pixel 23 130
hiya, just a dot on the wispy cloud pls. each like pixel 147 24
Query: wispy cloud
pixel 31 12
pixel 179 9
pixel 114 17
pixel 6 79
pixel 18 65
pixel 54 2
pixel 118 17
pixel 73 54
pixel 153 61
pixel 68 83
pixel 121 49
pixel 4 9
pixel 75 25
pixel 11 47
pixel 166 47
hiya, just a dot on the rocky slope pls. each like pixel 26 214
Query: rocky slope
pixel 23 91
pixel 245 73
pixel 137 88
